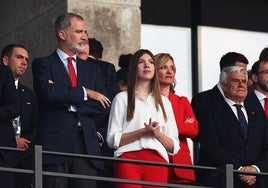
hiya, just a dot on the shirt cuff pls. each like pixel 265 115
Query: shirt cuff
pixel 257 168
pixel 85 93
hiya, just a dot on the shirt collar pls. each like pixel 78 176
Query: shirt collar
pixel 231 103
pixel 63 56
pixel 17 83
pixel 259 95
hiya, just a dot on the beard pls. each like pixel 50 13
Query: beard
pixel 264 86
pixel 76 48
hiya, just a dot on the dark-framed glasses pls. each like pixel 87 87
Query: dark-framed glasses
pixel 263 72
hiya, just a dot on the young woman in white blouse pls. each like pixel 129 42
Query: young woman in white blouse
pixel 142 125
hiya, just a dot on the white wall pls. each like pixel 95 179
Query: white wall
pixel 177 42
pixel 215 42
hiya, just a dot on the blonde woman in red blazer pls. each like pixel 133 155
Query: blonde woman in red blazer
pixel 186 121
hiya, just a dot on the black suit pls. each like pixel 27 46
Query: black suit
pixel 28 120
pixel 108 75
pixel 112 88
pixel 222 142
pixel 9 109
pixel 203 102
pixel 253 99
pixel 58 130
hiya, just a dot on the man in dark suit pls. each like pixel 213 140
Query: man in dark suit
pixel 67 105
pixel 15 56
pixel 224 140
pixel 9 109
pixel 259 73
pixel 93 54
pixel 258 97
pixel 203 101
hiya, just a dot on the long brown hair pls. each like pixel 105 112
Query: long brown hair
pixel 132 82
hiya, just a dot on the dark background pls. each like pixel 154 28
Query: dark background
pixel 235 14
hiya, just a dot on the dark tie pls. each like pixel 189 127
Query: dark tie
pixel 72 72
pixel 242 119
pixel 266 106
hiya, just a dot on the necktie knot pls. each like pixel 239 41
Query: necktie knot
pixel 238 106
pixel 72 73
pixel 70 59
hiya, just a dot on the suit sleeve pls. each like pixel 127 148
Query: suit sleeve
pixel 92 107
pixel 50 87
pixel 210 143
pixel 9 104
pixel 189 130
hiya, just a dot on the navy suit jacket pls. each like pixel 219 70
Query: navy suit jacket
pixel 9 109
pixel 109 77
pixel 253 99
pixel 110 83
pixel 222 142
pixel 57 125
pixel 203 103
pixel 28 115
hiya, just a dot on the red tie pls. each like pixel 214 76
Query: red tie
pixel 72 72
pixel 266 106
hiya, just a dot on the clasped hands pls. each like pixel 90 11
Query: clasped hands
pixel 153 128
pixel 248 179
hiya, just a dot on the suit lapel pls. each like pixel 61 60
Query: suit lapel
pixel 251 117
pixel 58 68
pixel 228 113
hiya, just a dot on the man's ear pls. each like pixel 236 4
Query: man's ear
pixel 223 86
pixel 62 35
pixel 5 60
pixel 254 78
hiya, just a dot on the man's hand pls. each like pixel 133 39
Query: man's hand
pixel 22 143
pixel 248 179
pixel 105 101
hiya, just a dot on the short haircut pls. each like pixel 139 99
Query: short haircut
pixel 95 48
pixel 264 55
pixel 255 67
pixel 231 58
pixel 64 21
pixel 229 70
pixel 8 50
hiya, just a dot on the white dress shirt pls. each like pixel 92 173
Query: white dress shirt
pixel 261 97
pixel 231 104
pixel 63 57
pixel 144 110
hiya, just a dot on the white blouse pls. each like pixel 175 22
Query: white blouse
pixel 144 110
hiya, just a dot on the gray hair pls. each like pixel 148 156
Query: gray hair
pixel 229 70
pixel 64 21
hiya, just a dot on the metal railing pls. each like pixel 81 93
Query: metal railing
pixel 39 173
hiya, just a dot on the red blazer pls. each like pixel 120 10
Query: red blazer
pixel 182 110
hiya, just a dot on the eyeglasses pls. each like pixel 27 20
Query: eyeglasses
pixel 263 72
